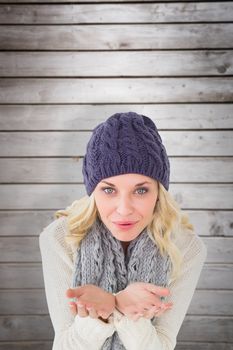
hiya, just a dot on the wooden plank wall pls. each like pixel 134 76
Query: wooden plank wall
pixel 65 67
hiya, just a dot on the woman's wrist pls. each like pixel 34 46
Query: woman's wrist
pixel 117 301
pixel 106 320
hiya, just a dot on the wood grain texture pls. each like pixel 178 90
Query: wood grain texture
pixel 114 64
pixel 116 37
pixel 116 90
pixel 124 13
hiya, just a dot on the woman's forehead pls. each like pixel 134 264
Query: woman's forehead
pixel 131 178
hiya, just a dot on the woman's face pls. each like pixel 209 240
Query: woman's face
pixel 127 197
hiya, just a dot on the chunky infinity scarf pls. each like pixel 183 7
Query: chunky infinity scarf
pixel 101 261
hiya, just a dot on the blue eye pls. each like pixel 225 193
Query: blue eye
pixel 144 189
pixel 107 188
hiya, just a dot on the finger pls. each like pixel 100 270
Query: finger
pixel 73 308
pixel 152 312
pixel 92 312
pixel 82 310
pixel 74 292
pixel 162 311
pixel 161 291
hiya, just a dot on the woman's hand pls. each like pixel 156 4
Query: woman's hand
pixel 92 300
pixel 142 300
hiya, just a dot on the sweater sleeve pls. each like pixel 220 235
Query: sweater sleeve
pixel 162 334
pixel 71 332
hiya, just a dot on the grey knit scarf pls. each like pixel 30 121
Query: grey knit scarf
pixel 101 261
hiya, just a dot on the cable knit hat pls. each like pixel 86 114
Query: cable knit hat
pixel 125 143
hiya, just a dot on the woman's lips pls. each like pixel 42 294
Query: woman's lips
pixel 125 226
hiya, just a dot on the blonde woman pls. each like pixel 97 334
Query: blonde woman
pixel 121 264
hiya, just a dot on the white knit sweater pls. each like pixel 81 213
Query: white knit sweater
pixel 86 333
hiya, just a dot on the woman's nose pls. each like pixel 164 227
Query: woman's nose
pixel 124 207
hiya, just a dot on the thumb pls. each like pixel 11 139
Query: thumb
pixel 72 293
pixel 161 291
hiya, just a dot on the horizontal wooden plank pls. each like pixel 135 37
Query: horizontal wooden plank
pixel 21 302
pixel 87 117
pixel 38 345
pixel 47 345
pixel 116 90
pixel 195 346
pixel 29 275
pixel 53 196
pixel 124 13
pixel 114 64
pixel 74 143
pixel 115 37
pixel 26 275
pixel 26 249
pixel 209 302
pixel 83 1
pixel 69 170
pixel 23 223
pixel 31 302
pixel 205 328
pixel 25 327
pixel 194 328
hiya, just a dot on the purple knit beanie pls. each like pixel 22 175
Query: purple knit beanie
pixel 125 143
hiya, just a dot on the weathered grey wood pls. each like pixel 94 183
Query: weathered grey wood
pixel 117 90
pixel 31 302
pixel 38 345
pixel 209 302
pixel 29 223
pixel 116 37
pixel 87 117
pixel 53 196
pixel 29 275
pixel 46 170
pixel 47 345
pixel 24 327
pixel 24 223
pixel 73 144
pixel 132 63
pixel 24 275
pixel 26 249
pixel 216 276
pixel 200 346
pixel 101 13
pixel 194 328
pixel 211 223
pixel 23 249
pixel 205 328
pixel 83 1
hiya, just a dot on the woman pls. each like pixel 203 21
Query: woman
pixel 125 254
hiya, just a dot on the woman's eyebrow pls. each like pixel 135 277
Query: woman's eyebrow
pixel 142 183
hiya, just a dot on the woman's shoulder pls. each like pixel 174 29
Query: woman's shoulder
pixel 53 235
pixel 191 245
